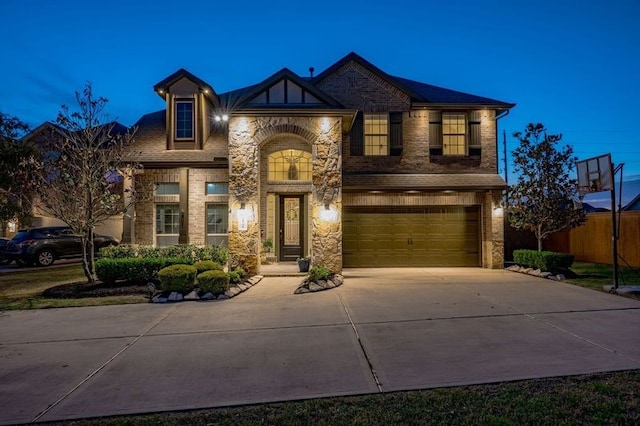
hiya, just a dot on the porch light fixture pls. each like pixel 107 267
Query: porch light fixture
pixel 244 216
pixel 328 213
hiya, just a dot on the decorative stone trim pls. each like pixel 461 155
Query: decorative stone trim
pixel 536 273
pixel 308 286
pixel 194 295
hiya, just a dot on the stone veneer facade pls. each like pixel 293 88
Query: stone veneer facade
pixel 247 136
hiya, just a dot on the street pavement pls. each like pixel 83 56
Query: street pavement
pixel 383 330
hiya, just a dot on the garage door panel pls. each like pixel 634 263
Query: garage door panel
pixel 413 236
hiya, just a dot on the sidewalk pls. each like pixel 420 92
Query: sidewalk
pixel 383 330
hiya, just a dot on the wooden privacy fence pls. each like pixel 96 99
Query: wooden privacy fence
pixel 591 242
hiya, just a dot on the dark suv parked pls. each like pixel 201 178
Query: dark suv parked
pixel 42 246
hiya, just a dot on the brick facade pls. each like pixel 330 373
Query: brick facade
pixel 237 152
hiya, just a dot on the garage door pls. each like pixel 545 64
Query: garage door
pixel 414 236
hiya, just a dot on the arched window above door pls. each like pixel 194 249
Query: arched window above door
pixel 290 164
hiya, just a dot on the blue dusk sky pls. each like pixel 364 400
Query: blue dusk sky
pixel 574 66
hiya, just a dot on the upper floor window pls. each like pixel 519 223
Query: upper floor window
pixel 168 188
pixel 184 119
pixel 376 134
pixel 290 164
pixel 217 188
pixel 454 134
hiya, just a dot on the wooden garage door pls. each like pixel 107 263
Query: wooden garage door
pixel 414 236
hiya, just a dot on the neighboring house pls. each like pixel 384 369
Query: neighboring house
pixel 41 137
pixel 353 167
pixel 633 205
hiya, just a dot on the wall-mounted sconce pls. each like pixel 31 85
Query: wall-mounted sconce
pixel 244 216
pixel 328 213
pixel 221 118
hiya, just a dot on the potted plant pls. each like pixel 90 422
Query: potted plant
pixel 304 263
pixel 267 245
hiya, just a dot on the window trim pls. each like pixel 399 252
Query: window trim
pixel 215 194
pixel 156 206
pixel 465 115
pixel 175 121
pixel 301 154
pixel 173 184
pixel 365 134
pixel 206 222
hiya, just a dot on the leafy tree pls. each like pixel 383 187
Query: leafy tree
pixel 542 199
pixel 17 182
pixel 88 157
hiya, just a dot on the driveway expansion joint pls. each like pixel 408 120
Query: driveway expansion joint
pixel 104 365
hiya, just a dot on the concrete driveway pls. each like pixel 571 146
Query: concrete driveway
pixel 383 330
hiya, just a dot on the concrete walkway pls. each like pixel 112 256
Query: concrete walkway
pixel 383 330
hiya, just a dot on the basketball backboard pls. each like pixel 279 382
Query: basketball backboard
pixel 595 174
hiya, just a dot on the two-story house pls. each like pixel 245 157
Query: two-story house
pixel 352 167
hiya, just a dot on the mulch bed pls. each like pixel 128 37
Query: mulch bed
pixel 82 290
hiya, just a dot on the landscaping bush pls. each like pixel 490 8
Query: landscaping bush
pixel 118 252
pixel 214 281
pixel 132 270
pixel 236 275
pixel 217 254
pixel 543 260
pixel 180 278
pixel 207 265
pixel 318 272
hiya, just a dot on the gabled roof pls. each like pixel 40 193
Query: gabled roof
pixel 417 91
pixel 633 204
pixel 162 87
pixel 246 94
pixel 181 73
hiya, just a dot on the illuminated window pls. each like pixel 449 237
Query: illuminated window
pixel 454 134
pixel 171 188
pixel 217 224
pixel 184 119
pixel 376 134
pixel 290 164
pixel 217 188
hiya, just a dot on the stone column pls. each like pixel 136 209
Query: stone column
pixel 326 203
pixel 497 230
pixel 244 199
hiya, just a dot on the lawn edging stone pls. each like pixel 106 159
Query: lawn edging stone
pixel 234 290
pixel 536 273
pixel 309 286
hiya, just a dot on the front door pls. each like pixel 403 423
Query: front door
pixel 291 227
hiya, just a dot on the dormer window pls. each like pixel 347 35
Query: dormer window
pixel 184 119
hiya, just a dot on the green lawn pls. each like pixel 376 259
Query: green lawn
pixel 597 275
pixel 598 399
pixel 23 289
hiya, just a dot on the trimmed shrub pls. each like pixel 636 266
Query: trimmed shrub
pixel 218 254
pixel 214 281
pixel 544 260
pixel 133 270
pixel 318 272
pixel 207 265
pixel 118 252
pixel 180 278
pixel 236 275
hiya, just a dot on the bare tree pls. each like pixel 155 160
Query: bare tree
pixel 88 159
pixel 542 199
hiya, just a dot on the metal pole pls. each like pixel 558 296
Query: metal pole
pixel 614 236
